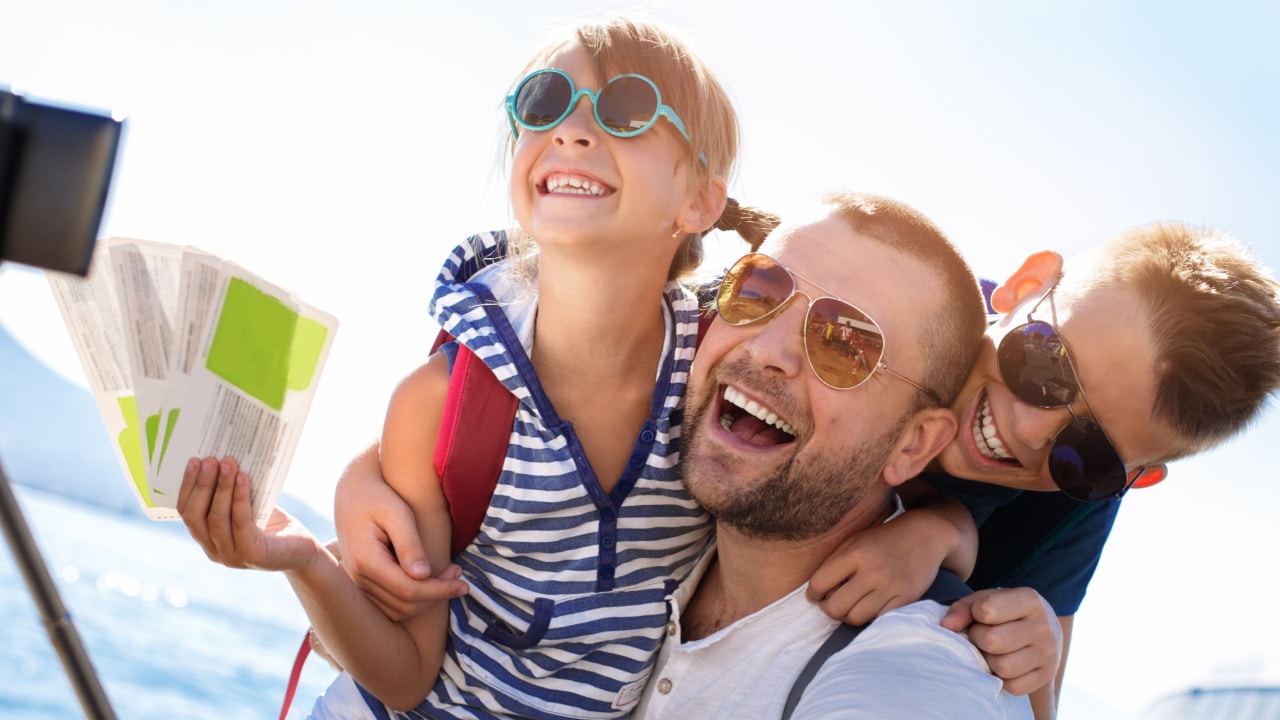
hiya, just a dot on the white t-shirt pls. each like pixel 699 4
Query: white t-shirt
pixel 904 665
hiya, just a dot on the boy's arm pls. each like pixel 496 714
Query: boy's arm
pixel 891 565
pixel 214 504
pixel 1044 701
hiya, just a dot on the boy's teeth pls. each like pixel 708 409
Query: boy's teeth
pixel 984 434
pixel 754 409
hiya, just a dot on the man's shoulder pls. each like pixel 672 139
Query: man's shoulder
pixel 905 664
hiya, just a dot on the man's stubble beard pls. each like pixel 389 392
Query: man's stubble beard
pixel 801 499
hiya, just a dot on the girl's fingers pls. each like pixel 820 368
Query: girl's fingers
pixel 219 519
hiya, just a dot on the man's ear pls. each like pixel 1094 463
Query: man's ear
pixel 925 435
pixel 1038 272
pixel 705 207
pixel 1151 475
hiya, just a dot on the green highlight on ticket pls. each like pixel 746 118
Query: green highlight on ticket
pixel 263 347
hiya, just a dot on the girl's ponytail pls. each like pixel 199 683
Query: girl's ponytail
pixel 753 224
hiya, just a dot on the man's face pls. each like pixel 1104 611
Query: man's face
pixel 1005 441
pixel 818 451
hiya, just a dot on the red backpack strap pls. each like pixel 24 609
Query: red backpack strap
pixel 471 446
pixel 705 317
pixel 295 674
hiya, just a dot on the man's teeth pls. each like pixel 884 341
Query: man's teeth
pixel 984 434
pixel 573 186
pixel 735 397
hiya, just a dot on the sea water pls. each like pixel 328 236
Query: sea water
pixel 170 634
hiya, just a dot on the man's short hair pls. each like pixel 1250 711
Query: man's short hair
pixel 1213 314
pixel 950 336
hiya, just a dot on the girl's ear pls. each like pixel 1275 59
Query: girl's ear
pixel 1037 273
pixel 705 207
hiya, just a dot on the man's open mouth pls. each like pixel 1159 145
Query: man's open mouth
pixel 752 422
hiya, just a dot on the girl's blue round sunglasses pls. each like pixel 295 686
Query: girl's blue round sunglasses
pixel 626 106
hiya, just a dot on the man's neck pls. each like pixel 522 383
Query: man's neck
pixel 749 574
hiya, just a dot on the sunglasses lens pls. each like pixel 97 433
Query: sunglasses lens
pixel 754 287
pixel 1084 464
pixel 542 99
pixel 1035 366
pixel 844 345
pixel 627 105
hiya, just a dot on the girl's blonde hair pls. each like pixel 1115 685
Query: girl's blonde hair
pixel 623 45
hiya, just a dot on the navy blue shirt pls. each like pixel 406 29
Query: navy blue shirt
pixel 1041 540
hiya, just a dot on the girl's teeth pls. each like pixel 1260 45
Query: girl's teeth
pixel 574 186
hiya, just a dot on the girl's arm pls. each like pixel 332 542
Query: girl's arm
pixel 381 549
pixel 397 662
pixel 891 565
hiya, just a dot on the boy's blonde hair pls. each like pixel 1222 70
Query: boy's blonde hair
pixel 1213 314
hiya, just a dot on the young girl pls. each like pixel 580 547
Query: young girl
pixel 566 587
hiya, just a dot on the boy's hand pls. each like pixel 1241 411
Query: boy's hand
pixel 875 571
pixel 1016 630
pixel 214 503
pixel 382 552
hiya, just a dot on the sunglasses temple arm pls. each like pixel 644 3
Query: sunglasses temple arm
pixel 928 393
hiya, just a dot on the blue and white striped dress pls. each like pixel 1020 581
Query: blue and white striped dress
pixel 567 608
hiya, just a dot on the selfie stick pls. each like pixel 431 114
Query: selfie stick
pixel 57 621
pixel 55 167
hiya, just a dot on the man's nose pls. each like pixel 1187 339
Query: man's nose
pixel 778 343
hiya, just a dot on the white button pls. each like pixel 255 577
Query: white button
pixel 664 686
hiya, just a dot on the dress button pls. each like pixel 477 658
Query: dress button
pixel 671 627
pixel 664 686
pixel 607 541
pixel 646 436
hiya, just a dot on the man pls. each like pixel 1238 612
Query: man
pixel 786 492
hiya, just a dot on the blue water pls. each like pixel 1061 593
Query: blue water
pixel 171 634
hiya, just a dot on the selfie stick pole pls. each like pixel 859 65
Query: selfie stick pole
pixel 57 621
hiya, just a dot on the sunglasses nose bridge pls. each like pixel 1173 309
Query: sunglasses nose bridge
pixel 578 124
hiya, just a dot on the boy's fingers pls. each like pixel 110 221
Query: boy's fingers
pixel 960 615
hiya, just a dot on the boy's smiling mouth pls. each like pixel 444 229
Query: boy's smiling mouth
pixel 986 436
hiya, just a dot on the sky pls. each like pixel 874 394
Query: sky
pixel 339 150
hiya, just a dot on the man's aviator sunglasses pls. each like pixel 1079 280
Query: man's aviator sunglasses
pixel 1037 368
pixel 843 344
pixel 626 106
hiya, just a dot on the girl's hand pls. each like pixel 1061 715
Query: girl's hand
pixel 1016 630
pixel 214 504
